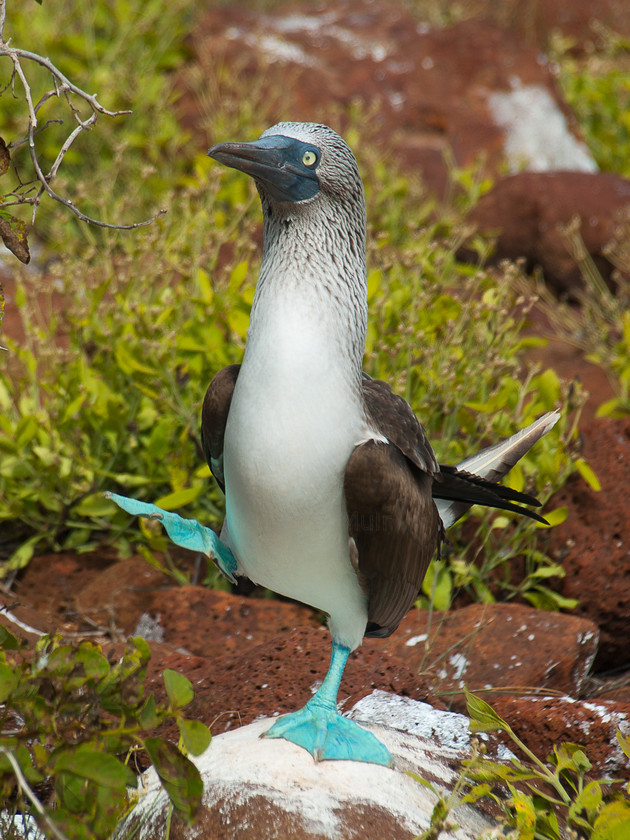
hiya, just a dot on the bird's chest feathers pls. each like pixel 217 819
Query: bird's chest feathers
pixel 295 415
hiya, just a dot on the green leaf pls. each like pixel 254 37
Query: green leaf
pixel 196 736
pixel 8 681
pixel 482 716
pixel 95 766
pixel 179 689
pixel 588 474
pixel 438 585
pixel 589 798
pixel 178 774
pixel 544 598
pixel 556 516
pixel 202 280
pixel 95 505
pixel 552 570
pixel 525 814
pixel 478 792
pixel 95 665
pixel 7 640
pixel 148 717
pixel 624 742
pixel 22 555
pixel 548 386
pixel 129 364
pixel 238 275
pixel 424 782
pixel 568 756
pixel 138 650
pixel 180 498
pixel 610 408
pixel 613 822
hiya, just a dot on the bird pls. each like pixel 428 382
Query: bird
pixel 334 496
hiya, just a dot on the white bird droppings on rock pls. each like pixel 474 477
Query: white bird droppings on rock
pixel 415 640
pixel 270 789
pixel 537 136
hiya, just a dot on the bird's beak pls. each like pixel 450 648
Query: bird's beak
pixel 264 162
pixel 274 165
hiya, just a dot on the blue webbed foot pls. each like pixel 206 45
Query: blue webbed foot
pixel 185 532
pixel 327 735
pixel 321 730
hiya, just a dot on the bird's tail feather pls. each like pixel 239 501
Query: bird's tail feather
pixel 473 480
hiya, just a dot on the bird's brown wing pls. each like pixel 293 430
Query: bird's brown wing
pixel 214 414
pixel 394 419
pixel 394 524
pixel 394 530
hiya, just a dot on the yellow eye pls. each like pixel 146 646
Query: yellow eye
pixel 309 158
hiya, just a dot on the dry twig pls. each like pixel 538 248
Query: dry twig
pixel 12 230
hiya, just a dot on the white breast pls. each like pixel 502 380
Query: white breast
pixel 294 422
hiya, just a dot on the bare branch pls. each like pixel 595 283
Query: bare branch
pixel 15 143
pixel 63 87
pixel 27 90
pixel 91 99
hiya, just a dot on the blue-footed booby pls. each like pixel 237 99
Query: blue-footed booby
pixel 334 496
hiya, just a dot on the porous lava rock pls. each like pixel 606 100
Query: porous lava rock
pixel 593 543
pixel 528 215
pixel 494 648
pixel 208 622
pixel 549 721
pixel 278 676
pixel 473 91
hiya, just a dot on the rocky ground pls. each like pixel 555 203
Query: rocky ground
pixel 553 676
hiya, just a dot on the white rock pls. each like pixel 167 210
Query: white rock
pixel 537 136
pixel 273 790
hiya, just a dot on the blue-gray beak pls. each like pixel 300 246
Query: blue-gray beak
pixel 275 163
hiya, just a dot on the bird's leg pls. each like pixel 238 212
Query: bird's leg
pixel 321 730
pixel 185 532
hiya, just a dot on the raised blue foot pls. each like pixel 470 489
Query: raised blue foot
pixel 321 730
pixel 185 532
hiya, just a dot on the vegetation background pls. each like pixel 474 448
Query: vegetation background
pixel 123 330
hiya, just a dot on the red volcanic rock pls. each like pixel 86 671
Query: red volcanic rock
pixel 278 676
pixel 120 594
pixel 211 623
pixel 251 667
pixel 541 722
pixel 526 214
pixel 593 544
pixel 496 646
pixel 49 582
pixel 579 19
pixel 472 89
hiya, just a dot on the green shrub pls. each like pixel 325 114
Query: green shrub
pixel 533 799
pixel 70 724
pixel 597 87
pixel 552 799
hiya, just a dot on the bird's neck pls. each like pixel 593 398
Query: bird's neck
pixel 310 306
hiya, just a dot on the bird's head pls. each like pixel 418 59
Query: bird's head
pixel 296 163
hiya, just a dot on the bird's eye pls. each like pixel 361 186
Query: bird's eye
pixel 309 158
